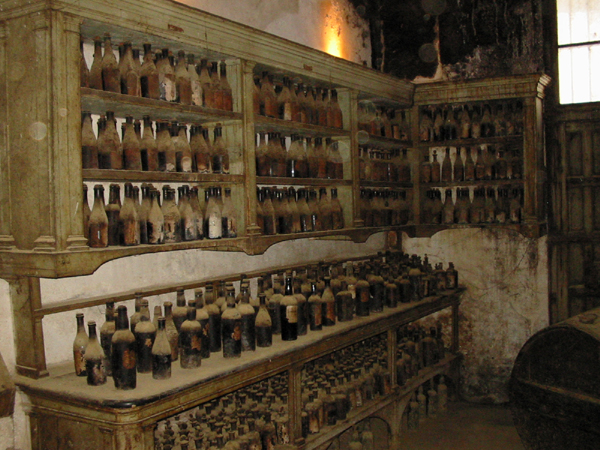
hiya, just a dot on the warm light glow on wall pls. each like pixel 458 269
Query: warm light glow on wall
pixel 332 33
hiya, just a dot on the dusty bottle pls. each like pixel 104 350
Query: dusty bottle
pixel 166 76
pixel 195 85
pixel 148 148
pixel 328 299
pixel 106 332
pixel 180 310
pixel 79 345
pixel 335 164
pixel 442 395
pixel 296 163
pixel 214 320
pixel 315 309
pixel 277 155
pixel 113 209
pixel 149 79
pixel 274 308
pixel 426 170
pixel 268 99
pixel 190 341
pixel 459 167
pixel 304 211
pixel 284 101
pixel 220 159
pixel 89 144
pixel 161 353
pixel 94 359
pixel 515 207
pixel 489 213
pixel 480 166
pixel 172 216
pixel 212 217
pixel 189 220
pixel 130 78
pixel 137 315
pixel 202 150
pixel 263 160
pixel 145 335
pixel 110 151
pixel 183 83
pixel 248 321
pixel 469 165
pixel 337 214
pixel 171 330
pixel 183 150
pixel 111 76
pixel 336 112
pixel 156 221
pixel 95 75
pixel 215 83
pixel 294 211
pixel 202 317
pixel 376 283
pixel 229 216
pixel 435 169
pixel 451 277
pixel 129 225
pixel 123 354
pixel 98 222
pixel 231 328
pixel 477 210
pixel 446 167
pixel 289 313
pixel 263 324
pixel 448 212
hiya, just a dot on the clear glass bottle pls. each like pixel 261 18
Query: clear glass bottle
pixel 189 218
pixel 111 76
pixel 304 211
pixel 161 353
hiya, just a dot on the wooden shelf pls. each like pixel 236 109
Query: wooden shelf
pixel 99 102
pixel 531 230
pixel 382 141
pixel 159 177
pixel 388 184
pixel 470 142
pixel 288 127
pixel 287 181
pixel 476 183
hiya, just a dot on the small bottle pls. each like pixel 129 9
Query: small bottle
pixel 231 329
pixel 161 353
pixel 263 324
pixel 111 76
pixel 289 313
pixel 180 311
pixel 129 224
pixel 328 300
pixel 171 330
pixel 123 353
pixel 89 143
pixel 98 222
pixel 94 359
pixel 149 83
pixel 190 341
pixel 106 333
pixel 183 83
pixel 248 321
pixel 315 309
pixel 95 75
pixel 145 335
pixel 79 345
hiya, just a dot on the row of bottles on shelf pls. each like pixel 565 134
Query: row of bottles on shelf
pixel 384 207
pixel 254 417
pixel 488 206
pixel 285 211
pixel 470 121
pixel 170 151
pixel 221 321
pixel 303 158
pixel 384 122
pixel 376 164
pixel 150 222
pixel 158 77
pixel 427 402
pixel 459 164
pixel 296 102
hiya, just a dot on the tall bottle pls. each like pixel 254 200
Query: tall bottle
pixel 180 311
pixel 89 143
pixel 123 353
pixel 459 167
pixel 161 353
pixel 183 150
pixel 297 166
pixel 315 309
pixel 203 318
pixel 110 151
pixel 231 328
pixel 289 313
pixel 189 218
pixel 130 78
pixel 113 209
pixel 106 333
pixel 171 330
pixel 129 225
pixel 212 216
pixel 156 220
pixel 220 160
pixel 377 290
pixel 214 320
pixel 337 116
pixel 145 335
pixel 190 341
pixel 225 88
pixel 148 148
pixel 328 299
pixel 446 167
pixel 166 76
pixel 79 344
pixel 94 359
pixel 229 216
pixel 183 83
pixel 95 75
pixel 172 216
pixel 149 82
pixel 98 222
pixel 268 99
pixel 248 321
pixel 111 76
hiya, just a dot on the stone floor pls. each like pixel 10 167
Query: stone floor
pixel 466 427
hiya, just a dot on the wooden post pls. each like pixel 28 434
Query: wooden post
pixel 295 404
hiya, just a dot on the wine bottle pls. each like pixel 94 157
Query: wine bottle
pixel 94 358
pixel 123 354
pixel 231 329
pixel 190 341
pixel 263 324
pixel 98 223
pixel 171 330
pixel 203 319
pixel 79 344
pixel 161 353
pixel 111 76
pixel 145 335
pixel 289 313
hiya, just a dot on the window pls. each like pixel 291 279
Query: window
pixel 579 50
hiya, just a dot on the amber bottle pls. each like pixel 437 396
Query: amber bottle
pixel 130 77
pixel 296 162
pixel 89 144
pixel 315 309
pixel 277 155
pixel 161 353
pixel 166 76
pixel 229 216
pixel 263 160
pixel 263 324
pixel 106 332
pixel 190 341
pixel 129 225
pixel 459 167
pixel 225 88
pixel 110 152
pixel 448 212
pixel 123 354
pixel 98 222
pixel 289 313
pixel 148 148
pixel 79 344
pixel 145 335
pixel 426 170
pixel 113 209
pixel 446 175
pixel 328 299
pixel 95 75
pixel 183 83
pixel 268 99
pixel 94 359
pixel 304 210
pixel 111 76
pixel 149 75
pixel 215 85
pixel 231 328
pixel 220 159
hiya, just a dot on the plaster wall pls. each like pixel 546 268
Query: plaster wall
pixel 506 301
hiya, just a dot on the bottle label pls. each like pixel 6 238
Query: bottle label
pixel 291 314
pixel 129 359
pixel 79 362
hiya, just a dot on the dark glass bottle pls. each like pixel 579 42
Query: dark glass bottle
pixel 328 300
pixel 392 294
pixel 190 341
pixel 94 359
pixel 203 319
pixel 263 323
pixel 79 344
pixel 274 308
pixel 98 223
pixel 248 321
pixel 171 330
pixel 113 209
pixel 289 313
pixel 377 290
pixel 363 294
pixel 145 335
pixel 123 353
pixel 214 320
pixel 344 304
pixel 106 333
pixel 89 143
pixel 451 277
pixel 180 311
pixel 161 353
pixel 231 329
pixel 111 75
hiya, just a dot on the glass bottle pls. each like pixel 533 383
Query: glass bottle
pixel 214 320
pixel 149 79
pixel 145 335
pixel 148 148
pixel 268 99
pixel 462 206
pixel 477 206
pixel 426 170
pixel 490 163
pixel 94 358
pixel 451 277
pixel 480 166
pixel 220 160
pixel 171 330
pixel 189 218
pixel 166 76
pixel 337 115
pixel 156 221
pixel 447 167
pixel 113 209
pixel 502 206
pixel 294 211
pixel 278 155
pixel 205 84
pixel 89 143
pixel 106 332
pixel 335 164
pixel 172 217
pixel 515 166
pixel 289 313
pixel 325 210
pixel 313 204
pixel 111 76
pixel 328 301
pixel 195 84
pixel 190 341
pixel 501 168
pixel 200 147
pixel 110 151
pixel 270 220
pixel 442 395
pixel 469 165
pixel 263 324
pixel 179 312
pixel 248 321
pixel 123 354
pixel 79 344
pixel 435 169
pixel 183 83
pixel 337 214
pixel 315 309
pixel 130 78
pixel 203 318
pixel 229 216
pixel 226 88
pixel 487 124
pixel 414 277
pixel 304 211
pixel 95 75
pixel 489 213
pixel 376 283
pixel 263 160
pixel 515 207
pixel 98 222
pixel 231 328
pixel 129 224
pixel 215 84
pixel 297 166
pixel 273 305
pixel 311 159
pixel 284 101
pixel 459 167
pixel 476 122
pixel 212 216
pixel 448 213
pixel 464 123
pixel 183 150
pixel 161 353
pixel 321 156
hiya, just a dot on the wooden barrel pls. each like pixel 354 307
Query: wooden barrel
pixel 555 386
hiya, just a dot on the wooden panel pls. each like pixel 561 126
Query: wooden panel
pixel 575 264
pixel 574 153
pixel 596 150
pixel 575 208
pixel 596 208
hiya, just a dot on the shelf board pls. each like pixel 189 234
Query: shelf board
pixel 390 184
pixel 470 142
pixel 476 183
pixel 288 181
pixel 217 375
pixel 382 141
pixel 288 127
pixel 159 177
pixel 99 102
pixel 357 415
pixel 531 230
